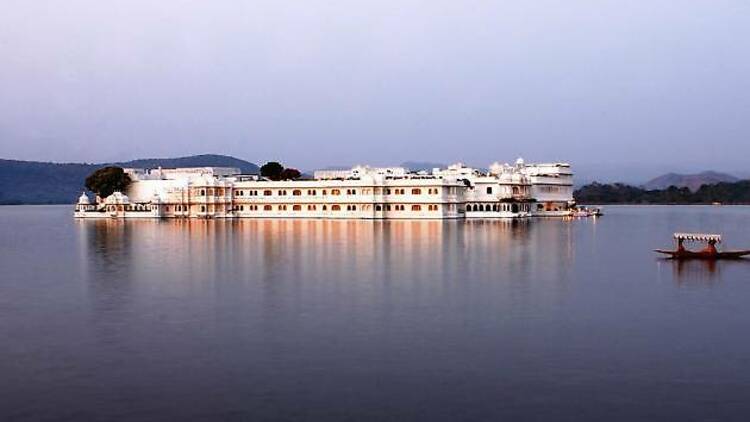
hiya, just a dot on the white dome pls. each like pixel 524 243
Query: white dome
pixel 117 198
pixel 520 161
pixel 84 199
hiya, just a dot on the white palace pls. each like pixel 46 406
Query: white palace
pixel 505 191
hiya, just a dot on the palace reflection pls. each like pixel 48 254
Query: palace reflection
pixel 285 262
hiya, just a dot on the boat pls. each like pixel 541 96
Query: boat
pixel 586 212
pixel 709 252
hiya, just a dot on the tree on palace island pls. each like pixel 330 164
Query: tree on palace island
pixel 107 180
pixel 290 174
pixel 271 170
pixel 275 171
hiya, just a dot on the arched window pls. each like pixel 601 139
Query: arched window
pixel 325 207
pixel 378 208
pixel 296 192
pixel 297 208
pixel 203 192
pixel 267 208
pixel 335 207
pixel 267 193
pixel 354 208
pixel 416 191
pixel 416 208
pixel 335 192
pixel 203 208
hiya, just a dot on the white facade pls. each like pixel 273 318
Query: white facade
pixel 507 191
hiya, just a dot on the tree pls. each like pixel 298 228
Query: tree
pixel 290 174
pixel 107 180
pixel 272 170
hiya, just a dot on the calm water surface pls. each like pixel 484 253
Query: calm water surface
pixel 337 320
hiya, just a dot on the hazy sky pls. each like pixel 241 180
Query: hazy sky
pixel 628 84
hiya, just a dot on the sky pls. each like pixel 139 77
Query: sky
pixel 614 87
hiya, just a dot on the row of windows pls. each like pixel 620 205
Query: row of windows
pixel 551 189
pixel 496 207
pixel 211 192
pixel 336 207
pixel 314 192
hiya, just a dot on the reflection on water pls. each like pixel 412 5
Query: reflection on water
pixel 703 271
pixel 367 320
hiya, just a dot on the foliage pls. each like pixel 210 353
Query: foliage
pixel 618 193
pixel 272 170
pixel 107 180
pixel 290 174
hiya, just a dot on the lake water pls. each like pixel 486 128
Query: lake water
pixel 357 320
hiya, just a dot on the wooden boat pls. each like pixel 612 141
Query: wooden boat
pixel 709 252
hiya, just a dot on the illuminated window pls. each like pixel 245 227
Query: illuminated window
pixel 416 208
pixel 267 208
pixel 335 208
pixel 297 208
pixel 296 192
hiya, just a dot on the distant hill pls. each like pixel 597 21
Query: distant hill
pixel 204 160
pixel 35 182
pixel 421 165
pixel 690 181
pixel 619 193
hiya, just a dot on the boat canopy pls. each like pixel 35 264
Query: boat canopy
pixel 697 237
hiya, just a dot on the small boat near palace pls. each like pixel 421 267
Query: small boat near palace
pixel 586 212
pixel 709 252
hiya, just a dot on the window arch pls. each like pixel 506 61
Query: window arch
pixel 267 208
pixel 296 192
pixel 416 207
pixel 335 207
pixel 297 208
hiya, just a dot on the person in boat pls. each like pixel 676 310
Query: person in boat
pixel 710 249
